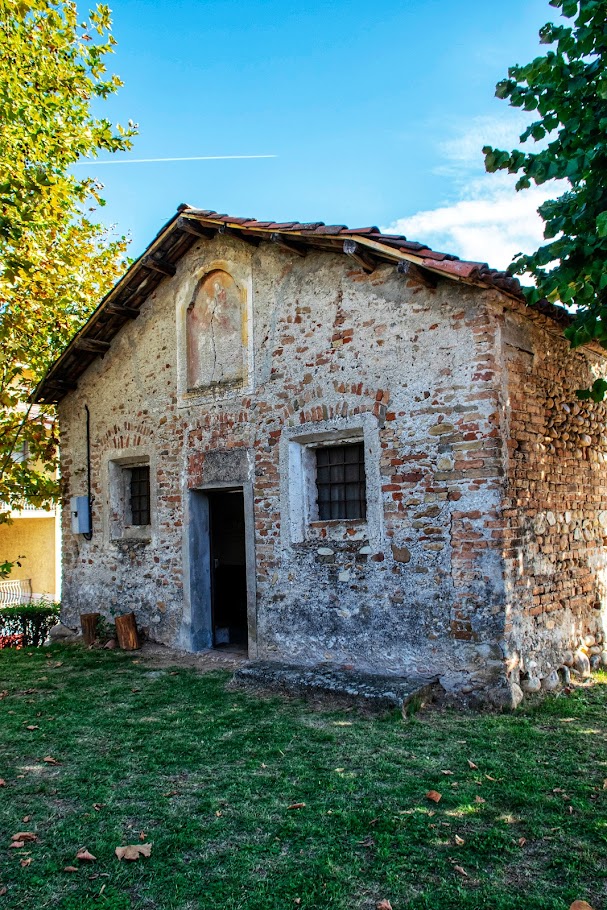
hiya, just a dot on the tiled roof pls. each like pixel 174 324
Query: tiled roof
pixel 366 245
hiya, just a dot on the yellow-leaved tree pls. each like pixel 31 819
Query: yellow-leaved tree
pixel 56 262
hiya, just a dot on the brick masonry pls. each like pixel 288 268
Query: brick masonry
pixel 481 557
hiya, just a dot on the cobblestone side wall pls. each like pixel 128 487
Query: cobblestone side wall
pixel 419 585
pixel 556 504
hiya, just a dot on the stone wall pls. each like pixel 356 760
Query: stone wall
pixel 328 352
pixel 555 506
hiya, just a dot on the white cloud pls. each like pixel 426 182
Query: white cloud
pixel 488 221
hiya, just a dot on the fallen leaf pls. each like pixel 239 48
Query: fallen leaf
pixel 472 765
pixel 580 905
pixel 50 760
pixel 32 727
pixel 16 845
pixel 383 905
pixel 25 836
pixel 219 813
pixel 488 776
pixel 58 664
pixel 434 796
pixel 85 857
pixel 133 851
pixel 570 809
pixel 461 871
pixel 459 840
pixel 98 807
pixel 479 799
pixel 70 868
pixel 605 784
pixel 142 835
pixel 26 862
pixel 26 818
pixel 522 841
pixel 3 890
pixel 446 772
pixel 2 782
pixel 297 806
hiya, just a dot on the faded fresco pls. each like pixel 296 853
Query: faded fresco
pixel 215 332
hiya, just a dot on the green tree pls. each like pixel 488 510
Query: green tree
pixel 567 90
pixel 55 260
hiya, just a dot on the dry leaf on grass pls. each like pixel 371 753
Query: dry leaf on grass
pixel 472 765
pixel 479 799
pixel 32 727
pixel 133 851
pixel 142 835
pixel 434 795
pixel 383 905
pixel 16 845
pixel 49 760
pixel 446 772
pixel 26 862
pixel 2 782
pixel 24 836
pixel 85 857
pixel 297 806
pixel 25 819
pixel 3 890
pixel 522 841
pixel 459 840
pixel 70 868
pixel 461 871
pixel 580 905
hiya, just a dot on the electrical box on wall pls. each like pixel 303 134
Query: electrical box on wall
pixel 80 511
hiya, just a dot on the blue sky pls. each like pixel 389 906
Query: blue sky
pixel 376 112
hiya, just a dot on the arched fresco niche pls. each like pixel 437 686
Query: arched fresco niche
pixel 215 332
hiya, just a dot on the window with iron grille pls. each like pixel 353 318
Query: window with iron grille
pixel 140 495
pixel 340 481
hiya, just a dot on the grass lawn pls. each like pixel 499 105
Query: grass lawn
pixel 207 777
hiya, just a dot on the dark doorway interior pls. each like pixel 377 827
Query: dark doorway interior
pixel 228 567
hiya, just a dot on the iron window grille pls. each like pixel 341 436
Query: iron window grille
pixel 340 481
pixel 140 495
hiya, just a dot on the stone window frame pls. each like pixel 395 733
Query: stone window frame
pixel 298 479
pixel 241 273
pixel 119 528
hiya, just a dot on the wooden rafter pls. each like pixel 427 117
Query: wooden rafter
pixel 115 309
pixel 416 273
pixel 92 345
pixel 284 244
pixel 191 226
pixel 358 254
pixel 160 265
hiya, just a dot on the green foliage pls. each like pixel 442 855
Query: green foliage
pixel 567 88
pixel 32 621
pixel 55 262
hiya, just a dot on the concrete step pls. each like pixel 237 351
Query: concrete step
pixel 352 686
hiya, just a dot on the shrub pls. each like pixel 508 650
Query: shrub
pixel 27 624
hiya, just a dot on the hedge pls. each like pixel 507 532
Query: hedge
pixel 27 624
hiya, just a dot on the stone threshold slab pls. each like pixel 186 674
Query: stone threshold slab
pixel 368 689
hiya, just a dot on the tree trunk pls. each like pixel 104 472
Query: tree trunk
pixel 88 623
pixel 126 632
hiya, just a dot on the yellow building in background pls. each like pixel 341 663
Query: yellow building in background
pixel 34 539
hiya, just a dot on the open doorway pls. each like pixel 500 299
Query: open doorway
pixel 228 568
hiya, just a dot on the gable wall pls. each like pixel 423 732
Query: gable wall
pixel 420 585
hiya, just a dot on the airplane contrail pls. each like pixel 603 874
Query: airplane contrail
pixel 92 161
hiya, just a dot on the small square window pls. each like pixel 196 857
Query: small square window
pixel 340 482
pixel 139 490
